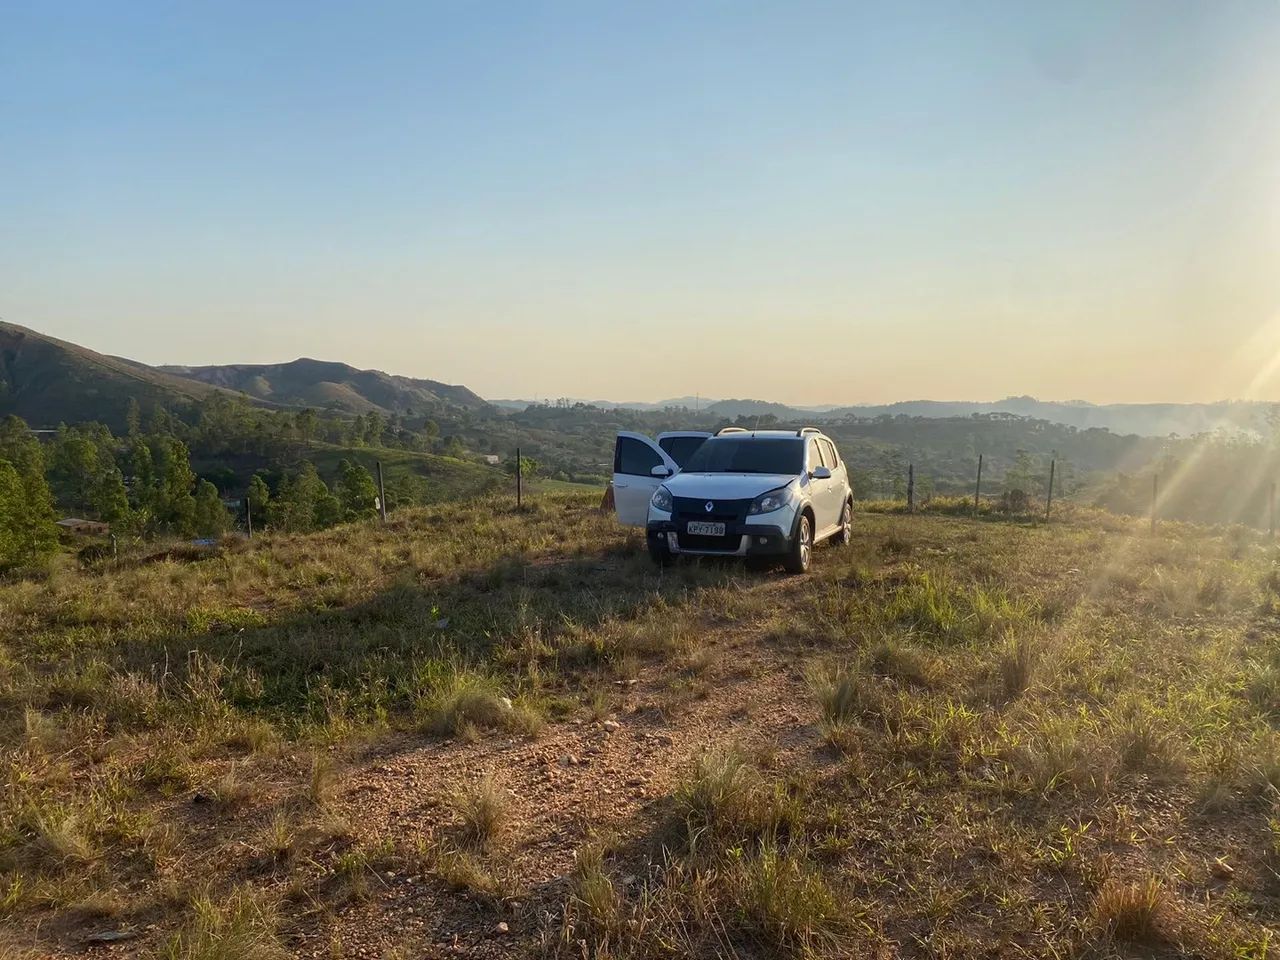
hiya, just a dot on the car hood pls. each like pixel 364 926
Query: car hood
pixel 725 486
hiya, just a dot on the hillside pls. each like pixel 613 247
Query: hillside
pixel 323 384
pixel 955 737
pixel 47 381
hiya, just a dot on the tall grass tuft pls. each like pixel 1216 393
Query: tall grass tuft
pixel 241 927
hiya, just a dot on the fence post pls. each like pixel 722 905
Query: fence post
pixel 382 494
pixel 977 489
pixel 911 488
pixel 1048 500
pixel 519 481
pixel 248 516
pixel 1272 504
pixel 1155 491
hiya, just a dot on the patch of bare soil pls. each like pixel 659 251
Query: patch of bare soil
pixel 579 779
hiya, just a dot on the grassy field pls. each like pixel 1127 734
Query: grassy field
pixel 484 732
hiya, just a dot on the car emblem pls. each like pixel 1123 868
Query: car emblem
pixel 709 506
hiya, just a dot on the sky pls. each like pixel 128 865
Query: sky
pixel 794 201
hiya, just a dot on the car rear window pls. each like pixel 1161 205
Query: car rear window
pixel 748 455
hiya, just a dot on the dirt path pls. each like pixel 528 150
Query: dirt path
pixel 576 778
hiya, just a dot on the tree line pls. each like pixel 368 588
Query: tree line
pixel 144 486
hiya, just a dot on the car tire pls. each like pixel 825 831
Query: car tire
pixel 801 552
pixel 844 536
pixel 660 553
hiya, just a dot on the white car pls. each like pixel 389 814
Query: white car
pixel 739 493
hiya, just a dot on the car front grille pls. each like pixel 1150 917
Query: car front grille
pixel 722 511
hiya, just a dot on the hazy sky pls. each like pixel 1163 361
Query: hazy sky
pixel 806 202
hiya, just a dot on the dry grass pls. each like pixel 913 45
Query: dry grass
pixel 1022 711
pixel 483 805
pixel 1130 911
pixel 241 926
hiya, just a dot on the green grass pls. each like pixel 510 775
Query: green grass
pixel 1045 736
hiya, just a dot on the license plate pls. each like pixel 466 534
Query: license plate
pixel 699 529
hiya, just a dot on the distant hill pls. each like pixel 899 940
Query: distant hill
pixel 324 384
pixel 1141 419
pixel 47 381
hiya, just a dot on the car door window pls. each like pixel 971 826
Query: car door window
pixel 829 454
pixel 815 455
pixel 680 449
pixel 634 457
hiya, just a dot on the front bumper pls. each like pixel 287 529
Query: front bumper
pixel 740 540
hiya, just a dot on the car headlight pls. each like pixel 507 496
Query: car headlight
pixel 661 500
pixel 771 501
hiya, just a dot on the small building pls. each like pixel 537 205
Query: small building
pixel 84 528
pixel 492 459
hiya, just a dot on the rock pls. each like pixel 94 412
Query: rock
pixel 110 936
pixel 611 726
pixel 502 926
pixel 506 703
pixel 568 760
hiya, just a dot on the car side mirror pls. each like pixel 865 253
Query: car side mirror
pixel 820 473
pixel 661 470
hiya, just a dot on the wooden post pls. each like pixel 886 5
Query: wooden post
pixel 1272 509
pixel 1155 492
pixel 1048 501
pixel 248 516
pixel 911 488
pixel 519 481
pixel 977 489
pixel 382 494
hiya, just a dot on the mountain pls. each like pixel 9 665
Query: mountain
pixel 325 384
pixel 1142 419
pixel 47 381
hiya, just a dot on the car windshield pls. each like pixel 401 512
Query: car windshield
pixel 748 455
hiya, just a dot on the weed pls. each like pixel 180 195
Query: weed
pixel 241 927
pixel 1130 911
pixel 786 901
pixel 484 807
pixel 1018 660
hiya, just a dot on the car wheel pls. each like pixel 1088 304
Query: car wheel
pixel 660 553
pixel 801 547
pixel 844 536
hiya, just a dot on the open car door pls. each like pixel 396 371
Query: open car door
pixel 635 459
pixel 679 445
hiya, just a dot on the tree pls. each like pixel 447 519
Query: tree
pixel 259 496
pixel 304 502
pixel 357 493
pixel 210 516
pixel 374 425
pixel 172 504
pixel 27 530
pixel 30 518
pixel 133 417
pixel 306 422
pixel 528 467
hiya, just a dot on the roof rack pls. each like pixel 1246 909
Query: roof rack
pixel 723 430
pixel 803 430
